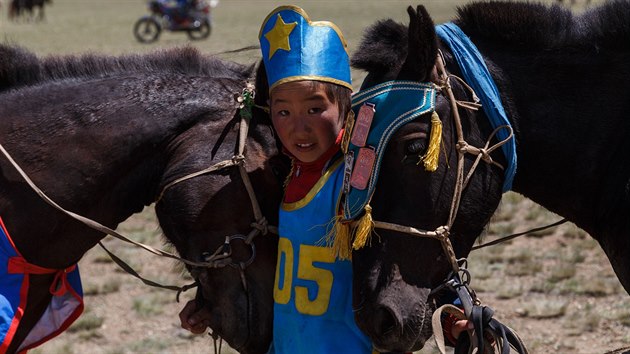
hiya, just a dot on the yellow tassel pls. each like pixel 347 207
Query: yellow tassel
pixel 432 156
pixel 364 229
pixel 338 239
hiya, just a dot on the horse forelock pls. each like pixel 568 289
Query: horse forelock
pixel 383 47
pixel 19 67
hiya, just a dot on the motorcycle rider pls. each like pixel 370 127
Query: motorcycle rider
pixel 182 11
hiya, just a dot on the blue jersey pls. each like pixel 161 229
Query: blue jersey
pixel 313 290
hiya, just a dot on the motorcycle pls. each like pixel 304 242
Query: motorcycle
pixel 197 24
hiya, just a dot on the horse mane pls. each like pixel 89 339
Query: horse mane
pixel 535 26
pixel 517 24
pixel 19 67
pixel 608 25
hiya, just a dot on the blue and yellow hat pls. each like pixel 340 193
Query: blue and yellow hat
pixel 294 49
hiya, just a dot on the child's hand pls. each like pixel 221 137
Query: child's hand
pixel 193 319
pixel 453 324
pixel 459 327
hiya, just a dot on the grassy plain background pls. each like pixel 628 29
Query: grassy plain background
pixel 555 288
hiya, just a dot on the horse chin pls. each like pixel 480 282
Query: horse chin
pixel 413 337
pixel 397 323
pixel 230 322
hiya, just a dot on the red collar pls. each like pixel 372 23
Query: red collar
pixel 304 175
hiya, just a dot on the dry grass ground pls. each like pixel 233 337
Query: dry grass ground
pixel 555 288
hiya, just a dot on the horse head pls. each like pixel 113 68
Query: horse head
pixel 396 274
pixel 176 139
pixel 213 218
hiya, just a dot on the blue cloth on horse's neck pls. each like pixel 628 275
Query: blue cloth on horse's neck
pixel 477 75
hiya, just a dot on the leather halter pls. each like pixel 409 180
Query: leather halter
pixel 222 256
pixel 458 280
pixel 442 233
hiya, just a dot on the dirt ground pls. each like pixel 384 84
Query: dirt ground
pixel 555 288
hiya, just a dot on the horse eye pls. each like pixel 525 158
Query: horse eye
pixel 415 146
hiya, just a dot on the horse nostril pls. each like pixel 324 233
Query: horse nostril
pixel 202 277
pixel 386 323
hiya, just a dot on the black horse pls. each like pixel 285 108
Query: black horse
pixel 564 81
pixel 103 136
pixel 17 8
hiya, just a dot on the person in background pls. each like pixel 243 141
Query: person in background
pixel 180 11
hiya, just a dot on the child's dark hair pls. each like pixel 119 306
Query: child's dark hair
pixel 338 94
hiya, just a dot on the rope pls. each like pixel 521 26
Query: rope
pixel 488 335
pixel 215 167
pixel 86 221
pixel 513 236
pixel 436 323
pixel 244 49
pixel 122 264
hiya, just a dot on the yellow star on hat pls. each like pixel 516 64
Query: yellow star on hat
pixel 278 36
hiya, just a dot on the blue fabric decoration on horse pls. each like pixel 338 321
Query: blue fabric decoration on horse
pixel 397 103
pixel 477 75
pixel 294 49
pixel 65 305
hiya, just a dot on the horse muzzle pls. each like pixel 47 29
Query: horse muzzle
pixel 396 322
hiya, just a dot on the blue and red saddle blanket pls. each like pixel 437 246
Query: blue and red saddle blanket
pixel 65 306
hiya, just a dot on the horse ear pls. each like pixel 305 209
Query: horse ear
pixel 422 47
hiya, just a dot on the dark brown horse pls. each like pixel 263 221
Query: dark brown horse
pixel 19 8
pixel 564 82
pixel 102 136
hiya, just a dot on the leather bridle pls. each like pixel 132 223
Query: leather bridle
pixel 459 278
pixel 442 232
pixel 222 256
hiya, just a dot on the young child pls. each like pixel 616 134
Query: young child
pixel 308 71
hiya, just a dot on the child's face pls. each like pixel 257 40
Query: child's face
pixel 306 121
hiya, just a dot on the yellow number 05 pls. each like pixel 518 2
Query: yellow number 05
pixel 307 271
